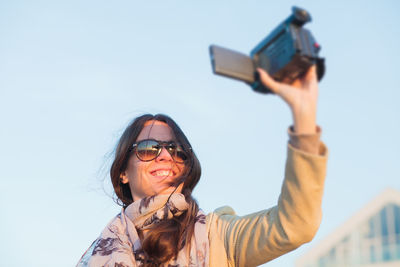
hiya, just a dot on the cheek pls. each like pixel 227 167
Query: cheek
pixel 135 170
pixel 137 177
pixel 181 168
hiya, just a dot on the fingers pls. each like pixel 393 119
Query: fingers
pixel 308 82
pixel 311 74
pixel 311 79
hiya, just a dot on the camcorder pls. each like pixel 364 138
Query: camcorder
pixel 286 54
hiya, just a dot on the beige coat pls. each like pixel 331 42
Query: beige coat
pixel 265 235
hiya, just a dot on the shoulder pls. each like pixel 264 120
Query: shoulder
pixel 224 219
pixel 212 217
pixel 224 210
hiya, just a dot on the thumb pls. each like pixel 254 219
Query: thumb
pixel 283 90
pixel 268 81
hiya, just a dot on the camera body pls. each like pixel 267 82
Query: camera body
pixel 286 54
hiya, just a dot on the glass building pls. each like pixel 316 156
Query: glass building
pixel 371 238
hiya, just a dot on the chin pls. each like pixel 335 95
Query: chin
pixel 168 190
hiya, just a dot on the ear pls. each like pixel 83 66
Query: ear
pixel 124 178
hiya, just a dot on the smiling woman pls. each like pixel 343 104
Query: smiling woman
pixel 135 174
pixel 154 158
pixel 155 171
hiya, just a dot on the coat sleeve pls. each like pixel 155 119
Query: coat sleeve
pixel 260 237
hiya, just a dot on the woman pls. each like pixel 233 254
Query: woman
pixel 155 172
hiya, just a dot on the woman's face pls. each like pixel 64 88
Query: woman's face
pixel 156 176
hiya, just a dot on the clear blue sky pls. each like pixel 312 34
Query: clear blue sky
pixel 74 73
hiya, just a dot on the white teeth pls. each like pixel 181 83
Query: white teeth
pixel 163 173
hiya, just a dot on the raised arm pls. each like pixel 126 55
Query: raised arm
pixel 260 237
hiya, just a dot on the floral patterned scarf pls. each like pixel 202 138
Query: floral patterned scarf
pixel 119 243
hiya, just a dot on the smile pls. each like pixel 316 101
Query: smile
pixel 162 173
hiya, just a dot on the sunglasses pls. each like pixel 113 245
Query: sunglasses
pixel 150 149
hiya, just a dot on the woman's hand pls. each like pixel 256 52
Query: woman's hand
pixel 301 96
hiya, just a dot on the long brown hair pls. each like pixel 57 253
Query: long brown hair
pixel 163 242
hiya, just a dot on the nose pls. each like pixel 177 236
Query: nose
pixel 164 155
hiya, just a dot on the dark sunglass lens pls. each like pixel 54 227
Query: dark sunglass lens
pixel 179 155
pixel 147 150
pixel 175 151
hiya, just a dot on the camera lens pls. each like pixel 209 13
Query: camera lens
pixel 301 16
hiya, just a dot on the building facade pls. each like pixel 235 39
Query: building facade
pixel 371 238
